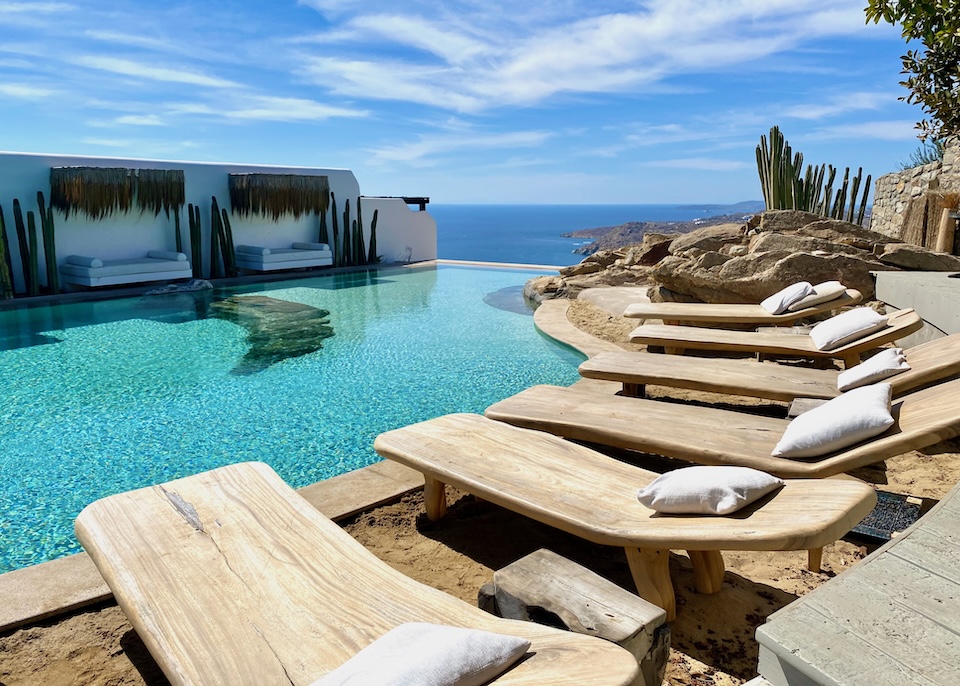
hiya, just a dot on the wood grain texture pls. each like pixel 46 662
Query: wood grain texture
pixel 929 362
pixel 899 324
pixel 733 313
pixel 892 619
pixel 593 496
pixel 707 435
pixel 268 591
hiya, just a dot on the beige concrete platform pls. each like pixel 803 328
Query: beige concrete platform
pixel 615 299
pixel 35 593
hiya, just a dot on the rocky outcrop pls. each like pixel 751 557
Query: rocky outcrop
pixel 746 262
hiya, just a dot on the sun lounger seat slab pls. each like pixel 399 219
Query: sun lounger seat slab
pixel 899 324
pixel 929 362
pixel 135 270
pixel 707 435
pixel 735 312
pixel 593 496
pixel 231 577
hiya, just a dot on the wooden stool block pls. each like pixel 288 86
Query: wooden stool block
pixel 547 588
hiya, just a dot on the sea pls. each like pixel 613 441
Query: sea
pixel 532 234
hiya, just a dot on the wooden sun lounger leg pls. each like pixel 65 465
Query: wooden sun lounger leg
pixel 434 498
pixel 814 559
pixel 634 390
pixel 651 573
pixel 708 570
pixel 851 360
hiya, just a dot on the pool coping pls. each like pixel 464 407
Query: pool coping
pixel 49 589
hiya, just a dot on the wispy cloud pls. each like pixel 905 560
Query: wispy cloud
pixel 432 146
pixel 265 108
pixel 840 104
pixel 140 120
pixel 24 91
pixel 34 7
pixel 107 142
pixel 151 72
pixel 895 130
pixel 700 163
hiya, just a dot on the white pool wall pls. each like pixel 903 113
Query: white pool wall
pixel 403 234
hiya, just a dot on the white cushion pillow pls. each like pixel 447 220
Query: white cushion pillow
pixel 822 292
pixel 416 654
pixel 781 300
pixel 846 327
pixel 82 261
pixel 252 250
pixel 883 365
pixel 847 419
pixel 310 246
pixel 167 255
pixel 707 490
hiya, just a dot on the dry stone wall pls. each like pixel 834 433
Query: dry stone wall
pixel 895 192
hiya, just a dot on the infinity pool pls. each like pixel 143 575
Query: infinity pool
pixel 97 398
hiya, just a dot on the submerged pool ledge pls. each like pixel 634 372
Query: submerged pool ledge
pixel 33 594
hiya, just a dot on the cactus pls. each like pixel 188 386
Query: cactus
pixel 784 189
pixel 22 242
pixel 863 203
pixel 335 246
pixel 228 236
pixel 372 257
pixel 176 229
pixel 6 268
pixel 347 249
pixel 323 237
pixel 359 244
pixel 196 251
pixel 49 245
pixel 215 271
pixel 33 287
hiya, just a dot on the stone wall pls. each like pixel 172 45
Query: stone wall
pixel 894 191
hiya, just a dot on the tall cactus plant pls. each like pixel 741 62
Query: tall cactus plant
pixel 784 188
pixel 49 244
pixel 360 246
pixel 372 257
pixel 347 246
pixel 196 249
pixel 335 245
pixel 6 267
pixel 22 243
pixel 33 286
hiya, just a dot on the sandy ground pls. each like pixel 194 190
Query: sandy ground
pixel 712 638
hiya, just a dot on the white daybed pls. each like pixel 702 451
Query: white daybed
pixel 298 255
pixel 158 265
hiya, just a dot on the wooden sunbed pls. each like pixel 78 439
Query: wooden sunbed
pixel 678 338
pixel 744 313
pixel 929 362
pixel 230 577
pixel 594 496
pixel 707 435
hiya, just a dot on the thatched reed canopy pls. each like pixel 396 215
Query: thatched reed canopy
pixel 100 191
pixel 278 194
pixel 160 189
pixel 95 191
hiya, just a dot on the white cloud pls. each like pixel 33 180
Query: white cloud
pixel 140 120
pixel 699 163
pixel 266 108
pixel 152 73
pixel 128 39
pixel 35 7
pixel 107 142
pixel 840 104
pixel 20 90
pixel 896 130
pixel 432 146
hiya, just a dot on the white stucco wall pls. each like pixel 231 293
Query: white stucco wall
pixel 133 234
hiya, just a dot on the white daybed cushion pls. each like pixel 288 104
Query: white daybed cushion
pixel 139 265
pixel 251 250
pixel 82 261
pixel 782 299
pixel 843 421
pixel 311 246
pixel 883 365
pixel 167 255
pixel 707 489
pixel 416 654
pixel 846 327
pixel 822 292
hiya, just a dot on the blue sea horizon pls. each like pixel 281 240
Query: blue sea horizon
pixel 531 234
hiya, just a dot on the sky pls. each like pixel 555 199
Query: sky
pixel 464 101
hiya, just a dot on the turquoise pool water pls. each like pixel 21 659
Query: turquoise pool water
pixel 103 397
